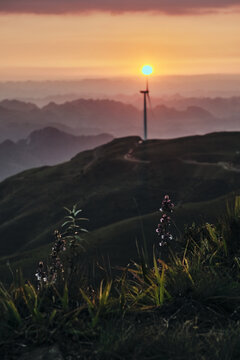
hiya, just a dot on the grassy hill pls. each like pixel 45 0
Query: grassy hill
pixel 184 306
pixel 116 185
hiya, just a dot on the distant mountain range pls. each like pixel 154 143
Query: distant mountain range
pixel 91 117
pixel 48 146
pixel 19 119
pixel 119 186
pixel 80 117
pixel 218 106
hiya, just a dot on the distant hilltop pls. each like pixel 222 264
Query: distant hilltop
pixel 48 146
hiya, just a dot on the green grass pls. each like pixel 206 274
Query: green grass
pixel 185 304
pixel 117 241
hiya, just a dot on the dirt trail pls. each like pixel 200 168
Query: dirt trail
pixel 88 165
pixel 225 165
pixel 129 156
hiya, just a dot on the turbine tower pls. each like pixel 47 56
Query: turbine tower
pixel 146 70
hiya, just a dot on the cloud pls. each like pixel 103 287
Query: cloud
pixel 171 7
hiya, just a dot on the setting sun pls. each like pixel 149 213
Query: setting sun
pixel 147 70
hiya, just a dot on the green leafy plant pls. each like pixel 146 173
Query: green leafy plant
pixel 187 304
pixel 69 239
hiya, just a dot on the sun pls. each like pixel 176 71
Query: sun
pixel 147 70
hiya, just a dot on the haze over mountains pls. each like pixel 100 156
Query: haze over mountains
pixel 48 146
pixel 168 119
pixel 42 92
pixel 18 119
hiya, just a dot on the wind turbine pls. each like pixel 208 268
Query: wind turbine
pixel 146 70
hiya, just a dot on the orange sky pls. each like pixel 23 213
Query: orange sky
pixel 101 44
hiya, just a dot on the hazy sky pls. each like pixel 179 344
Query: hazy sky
pixel 70 38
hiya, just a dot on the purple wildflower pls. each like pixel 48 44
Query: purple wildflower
pixel 165 221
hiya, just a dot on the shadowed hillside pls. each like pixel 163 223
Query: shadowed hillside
pixel 118 182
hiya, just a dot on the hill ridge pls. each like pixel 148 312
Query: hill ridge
pixel 31 202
